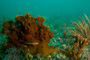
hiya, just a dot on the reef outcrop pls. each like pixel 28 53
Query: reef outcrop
pixel 29 33
pixel 32 36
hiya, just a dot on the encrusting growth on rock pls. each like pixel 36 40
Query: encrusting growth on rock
pixel 32 36
pixel 29 33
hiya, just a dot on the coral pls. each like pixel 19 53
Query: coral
pixel 81 28
pixel 65 33
pixel 29 33
pixel 78 45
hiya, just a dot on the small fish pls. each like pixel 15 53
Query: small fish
pixel 31 43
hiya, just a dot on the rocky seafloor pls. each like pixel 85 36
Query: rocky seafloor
pixel 58 41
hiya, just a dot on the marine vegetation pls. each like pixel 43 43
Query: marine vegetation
pixel 82 28
pixel 78 45
pixel 30 35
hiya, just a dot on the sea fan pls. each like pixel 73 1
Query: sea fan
pixel 81 28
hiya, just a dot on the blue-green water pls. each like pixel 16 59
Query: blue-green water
pixel 57 13
pixel 61 8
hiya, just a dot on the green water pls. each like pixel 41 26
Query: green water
pixel 57 13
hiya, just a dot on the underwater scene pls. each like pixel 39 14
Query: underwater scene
pixel 44 30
